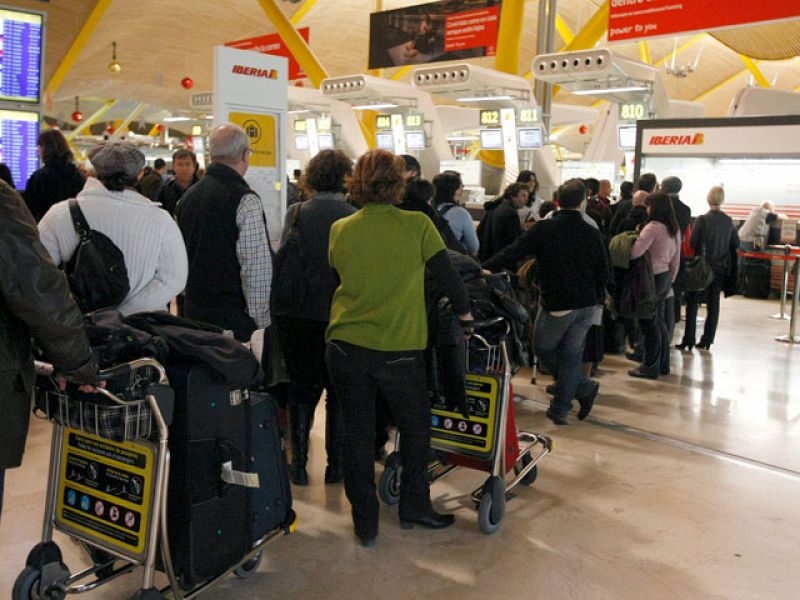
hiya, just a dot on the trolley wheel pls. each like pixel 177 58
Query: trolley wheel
pixel 389 486
pixel 27 586
pixel 492 506
pixel 247 569
pixel 523 462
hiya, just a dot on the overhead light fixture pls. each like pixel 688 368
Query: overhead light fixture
pixel 484 98
pixel 375 106
pixel 209 117
pixel 611 90
pixel 175 119
pixel 299 111
pixel 114 66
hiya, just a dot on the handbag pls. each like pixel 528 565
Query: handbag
pixel 698 271
pixel 289 281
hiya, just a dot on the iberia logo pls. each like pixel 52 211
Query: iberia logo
pixel 677 140
pixel 254 72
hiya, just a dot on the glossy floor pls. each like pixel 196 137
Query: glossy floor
pixel 685 487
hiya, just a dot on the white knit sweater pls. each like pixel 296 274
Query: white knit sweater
pixel 149 239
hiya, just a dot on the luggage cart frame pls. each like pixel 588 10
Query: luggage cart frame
pixel 491 496
pixel 46 575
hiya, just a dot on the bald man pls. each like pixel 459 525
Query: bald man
pixel 225 230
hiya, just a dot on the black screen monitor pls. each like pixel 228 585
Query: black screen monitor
pixel 19 133
pixel 20 55
pixel 492 139
pixel 530 138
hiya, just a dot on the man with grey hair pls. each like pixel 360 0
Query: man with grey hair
pixel 225 230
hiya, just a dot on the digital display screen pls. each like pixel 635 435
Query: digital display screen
pixel 300 125
pixel 20 55
pixel 301 142
pixel 627 137
pixel 530 138
pixel 492 139
pixel 632 111
pixel 490 117
pixel 528 115
pixel 325 141
pixel 19 132
pixel 414 121
pixel 415 140
pixel 384 141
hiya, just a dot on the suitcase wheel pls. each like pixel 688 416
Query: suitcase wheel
pixel 248 568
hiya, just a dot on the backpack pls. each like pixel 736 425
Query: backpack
pixel 484 230
pixel 96 271
pixel 289 281
pixel 451 242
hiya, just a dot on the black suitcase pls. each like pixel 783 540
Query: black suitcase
pixel 755 278
pixel 212 523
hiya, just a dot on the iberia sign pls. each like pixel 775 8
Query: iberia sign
pixel 677 140
pixel 634 19
pixel 255 72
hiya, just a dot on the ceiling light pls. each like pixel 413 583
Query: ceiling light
pixel 375 106
pixel 299 111
pixel 484 98
pixel 114 66
pixel 612 90
pixel 175 119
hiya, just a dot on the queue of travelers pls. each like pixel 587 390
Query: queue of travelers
pixel 377 243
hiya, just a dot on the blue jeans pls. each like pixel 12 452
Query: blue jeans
pixel 559 344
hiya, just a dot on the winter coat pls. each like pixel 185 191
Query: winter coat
pixel 34 301
pixel 56 181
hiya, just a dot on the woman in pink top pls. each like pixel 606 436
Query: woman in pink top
pixel 661 240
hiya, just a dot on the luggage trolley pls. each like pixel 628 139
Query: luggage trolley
pixel 487 440
pixel 107 487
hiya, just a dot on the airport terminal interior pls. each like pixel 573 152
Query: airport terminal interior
pixel 680 484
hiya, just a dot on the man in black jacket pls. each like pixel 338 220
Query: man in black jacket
pixel 573 275
pixel 224 227
pixel 501 225
pixel 34 301
pixel 184 163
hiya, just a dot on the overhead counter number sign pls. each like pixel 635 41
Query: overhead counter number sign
pixel 528 115
pixel 383 122
pixel 490 117
pixel 414 121
pixel 632 111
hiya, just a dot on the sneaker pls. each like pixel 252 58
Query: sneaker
pixel 587 401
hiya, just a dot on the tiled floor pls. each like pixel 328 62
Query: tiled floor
pixel 622 509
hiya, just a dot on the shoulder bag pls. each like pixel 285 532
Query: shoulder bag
pixel 289 281
pixel 698 271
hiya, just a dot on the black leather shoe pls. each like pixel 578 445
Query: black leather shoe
pixel 334 473
pixel 643 373
pixel 551 389
pixel 634 356
pixel 685 347
pixel 430 519
pixel 367 541
pixel 703 346
pixel 587 401
pixel 555 418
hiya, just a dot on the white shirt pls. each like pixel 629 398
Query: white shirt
pixel 150 241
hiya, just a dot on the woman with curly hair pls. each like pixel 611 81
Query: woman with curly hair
pixel 378 332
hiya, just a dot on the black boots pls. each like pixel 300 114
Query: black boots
pixel 301 417
pixel 334 440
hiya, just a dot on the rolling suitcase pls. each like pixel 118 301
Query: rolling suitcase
pixel 229 481
pixel 755 278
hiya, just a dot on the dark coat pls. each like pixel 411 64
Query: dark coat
pixel 34 301
pixel 170 192
pixel 498 229
pixel 56 181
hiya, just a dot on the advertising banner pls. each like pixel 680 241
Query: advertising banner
pixel 636 19
pixel 273 44
pixel 432 32
pixel 250 89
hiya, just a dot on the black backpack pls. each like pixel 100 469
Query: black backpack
pixel 96 272
pixel 289 281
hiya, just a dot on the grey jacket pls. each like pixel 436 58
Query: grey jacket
pixel 34 302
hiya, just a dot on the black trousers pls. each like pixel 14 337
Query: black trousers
pixel 357 374
pixel 656 331
pixel 693 299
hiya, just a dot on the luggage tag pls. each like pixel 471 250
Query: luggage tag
pixel 241 478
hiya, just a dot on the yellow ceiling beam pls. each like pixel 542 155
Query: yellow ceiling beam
pixel 686 45
pixel 509 32
pixel 109 104
pixel 77 45
pixel 302 11
pixel 294 42
pixel 719 85
pixel 755 71
pixel 563 30
pixel 401 72
pixel 644 52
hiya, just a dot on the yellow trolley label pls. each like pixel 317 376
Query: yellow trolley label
pixel 105 490
pixel 449 427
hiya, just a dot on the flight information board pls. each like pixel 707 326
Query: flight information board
pixel 20 55
pixel 19 132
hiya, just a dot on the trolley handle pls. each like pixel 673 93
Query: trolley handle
pixel 489 323
pixel 124 369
